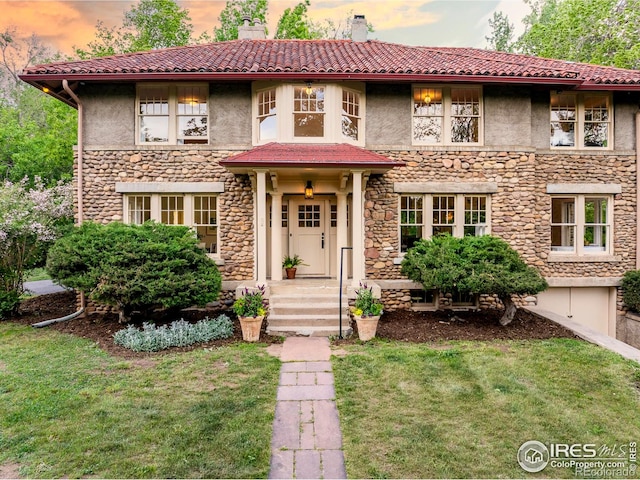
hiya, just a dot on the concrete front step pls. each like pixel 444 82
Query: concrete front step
pixel 309 308
pixel 308 320
pixel 320 309
pixel 291 330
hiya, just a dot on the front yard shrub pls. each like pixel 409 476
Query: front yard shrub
pixel 631 290
pixel 135 267
pixel 178 334
pixel 473 265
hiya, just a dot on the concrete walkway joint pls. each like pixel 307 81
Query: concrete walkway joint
pixel 306 442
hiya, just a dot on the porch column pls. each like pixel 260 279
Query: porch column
pixel 341 230
pixel 276 236
pixel 261 226
pixel 357 226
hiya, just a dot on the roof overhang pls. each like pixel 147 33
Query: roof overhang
pixel 316 156
pixel 51 83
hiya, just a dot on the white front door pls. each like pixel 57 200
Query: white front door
pixel 309 235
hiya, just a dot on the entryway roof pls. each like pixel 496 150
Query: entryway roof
pixel 310 155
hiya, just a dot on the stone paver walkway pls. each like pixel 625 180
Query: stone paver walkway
pixel 306 441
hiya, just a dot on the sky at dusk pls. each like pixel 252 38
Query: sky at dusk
pixel 65 23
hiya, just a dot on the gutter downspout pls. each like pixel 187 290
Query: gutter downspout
pixel 637 190
pixel 83 302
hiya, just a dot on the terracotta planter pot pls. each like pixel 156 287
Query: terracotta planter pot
pixel 251 328
pixel 291 273
pixel 366 327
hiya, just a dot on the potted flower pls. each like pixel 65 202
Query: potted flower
pixel 366 310
pixel 290 264
pixel 251 309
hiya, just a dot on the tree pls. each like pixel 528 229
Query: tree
pixel 135 267
pixel 473 265
pixel 604 32
pixel 294 23
pixel 233 13
pixel 151 24
pixel 30 220
pixel 37 132
pixel 501 38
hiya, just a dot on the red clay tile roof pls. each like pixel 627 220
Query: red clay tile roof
pixel 310 155
pixel 336 59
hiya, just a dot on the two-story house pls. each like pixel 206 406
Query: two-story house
pixel 274 147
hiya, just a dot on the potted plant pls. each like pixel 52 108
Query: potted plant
pixel 251 308
pixel 366 311
pixel 290 264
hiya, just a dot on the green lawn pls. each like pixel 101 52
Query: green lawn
pixel 464 409
pixel 69 409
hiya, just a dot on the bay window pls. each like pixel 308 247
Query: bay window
pixel 581 120
pixel 172 114
pixel 447 115
pixel 309 113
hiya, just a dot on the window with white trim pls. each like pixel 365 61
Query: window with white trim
pixel 199 211
pixel 172 114
pixel 426 215
pixel 581 120
pixel 311 113
pixel 447 115
pixel 581 224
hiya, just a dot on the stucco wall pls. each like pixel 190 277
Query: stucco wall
pixel 388 119
pixel 109 114
pixel 230 116
pixel 507 114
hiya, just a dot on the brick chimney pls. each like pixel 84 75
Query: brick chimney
pixel 359 29
pixel 246 31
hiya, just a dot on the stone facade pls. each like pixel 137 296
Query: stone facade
pixel 520 209
pixel 103 168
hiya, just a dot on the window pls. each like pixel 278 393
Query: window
pixel 173 115
pixel 267 129
pixel 350 114
pixel 580 224
pixel 411 224
pixel 446 115
pixel 199 211
pixel 139 209
pixel 423 216
pixel 205 220
pixel 580 120
pixel 312 113
pixel 308 112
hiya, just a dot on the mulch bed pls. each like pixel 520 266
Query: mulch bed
pixel 401 325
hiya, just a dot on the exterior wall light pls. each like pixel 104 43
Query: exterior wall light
pixel 308 191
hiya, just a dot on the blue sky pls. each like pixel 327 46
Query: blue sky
pixel 64 23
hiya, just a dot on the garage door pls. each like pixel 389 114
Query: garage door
pixel 589 306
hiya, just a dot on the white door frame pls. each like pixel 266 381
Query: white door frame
pixel 316 250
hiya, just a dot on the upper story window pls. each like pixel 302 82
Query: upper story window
pixel 423 216
pixel 447 115
pixel 308 111
pixel 581 224
pixel 312 113
pixel 581 120
pixel 172 114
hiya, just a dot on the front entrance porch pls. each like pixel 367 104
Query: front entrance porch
pixel 309 201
